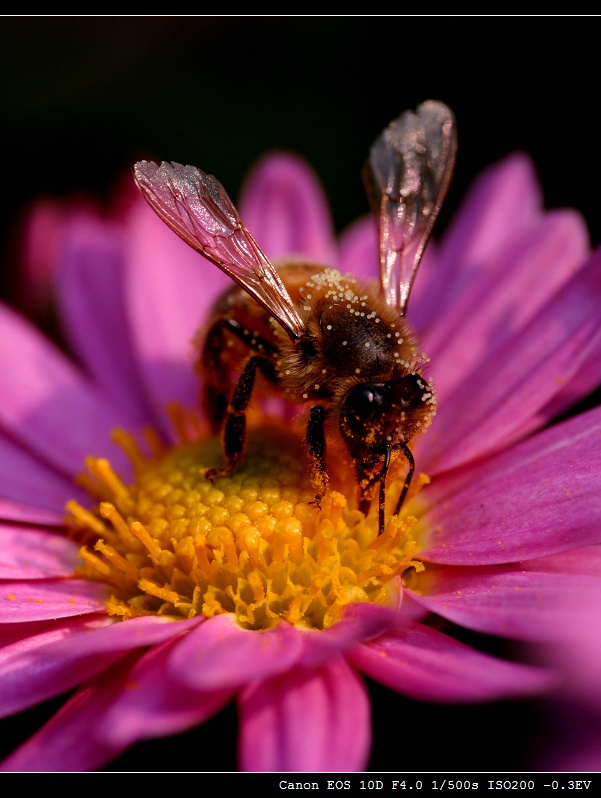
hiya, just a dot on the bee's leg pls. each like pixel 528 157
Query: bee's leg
pixel 316 441
pixel 409 456
pixel 367 491
pixel 382 493
pixel 215 376
pixel 234 431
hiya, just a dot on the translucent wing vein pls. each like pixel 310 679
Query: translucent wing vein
pixel 196 207
pixel 407 176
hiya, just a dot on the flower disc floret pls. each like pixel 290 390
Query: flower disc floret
pixel 253 543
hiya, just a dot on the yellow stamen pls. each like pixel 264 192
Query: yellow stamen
pixel 130 446
pixel 109 511
pixel 115 559
pixel 253 543
pixel 81 518
pixel 147 541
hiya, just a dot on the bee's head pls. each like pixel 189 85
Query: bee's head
pixel 377 415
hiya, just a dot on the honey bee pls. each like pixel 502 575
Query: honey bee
pixel 315 335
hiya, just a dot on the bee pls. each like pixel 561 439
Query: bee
pixel 317 336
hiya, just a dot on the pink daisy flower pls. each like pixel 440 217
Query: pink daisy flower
pixel 165 622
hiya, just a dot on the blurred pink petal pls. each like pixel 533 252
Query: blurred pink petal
pixel 359 256
pixel 11 510
pixel 359 622
pixel 573 715
pixel 41 237
pixel 507 601
pixel 153 706
pixel 283 205
pixel 26 479
pixel 359 249
pixel 67 742
pixel 169 290
pixel 306 720
pixel 92 304
pixel 48 405
pixel 49 663
pixel 208 658
pixel 504 202
pixel 430 666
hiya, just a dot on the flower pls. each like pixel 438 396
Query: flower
pixel 507 309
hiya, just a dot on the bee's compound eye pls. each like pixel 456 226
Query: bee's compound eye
pixel 366 398
pixel 374 414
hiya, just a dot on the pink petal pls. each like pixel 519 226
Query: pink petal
pixel 151 705
pixel 504 201
pixel 359 249
pixel 498 404
pixel 43 665
pixel 31 554
pixel 219 654
pixel 505 296
pixel 11 633
pixel 585 561
pixel 427 665
pixel 42 227
pixel 170 289
pixel 507 601
pixel 90 286
pixel 47 405
pixel 284 207
pixel 44 599
pixel 582 383
pixel 538 498
pixel 359 256
pixel 11 510
pixel 306 720
pixel 359 622
pixel 581 663
pixel 26 479
pixel 68 741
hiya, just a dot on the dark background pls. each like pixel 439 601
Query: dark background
pixel 82 98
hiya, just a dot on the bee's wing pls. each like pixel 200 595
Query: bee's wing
pixel 196 207
pixel 407 177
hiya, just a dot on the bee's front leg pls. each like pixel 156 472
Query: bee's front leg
pixel 409 476
pixel 316 441
pixel 371 469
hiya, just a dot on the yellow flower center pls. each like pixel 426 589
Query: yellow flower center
pixel 253 543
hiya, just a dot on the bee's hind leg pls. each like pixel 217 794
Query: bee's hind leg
pixel 234 429
pixel 216 375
